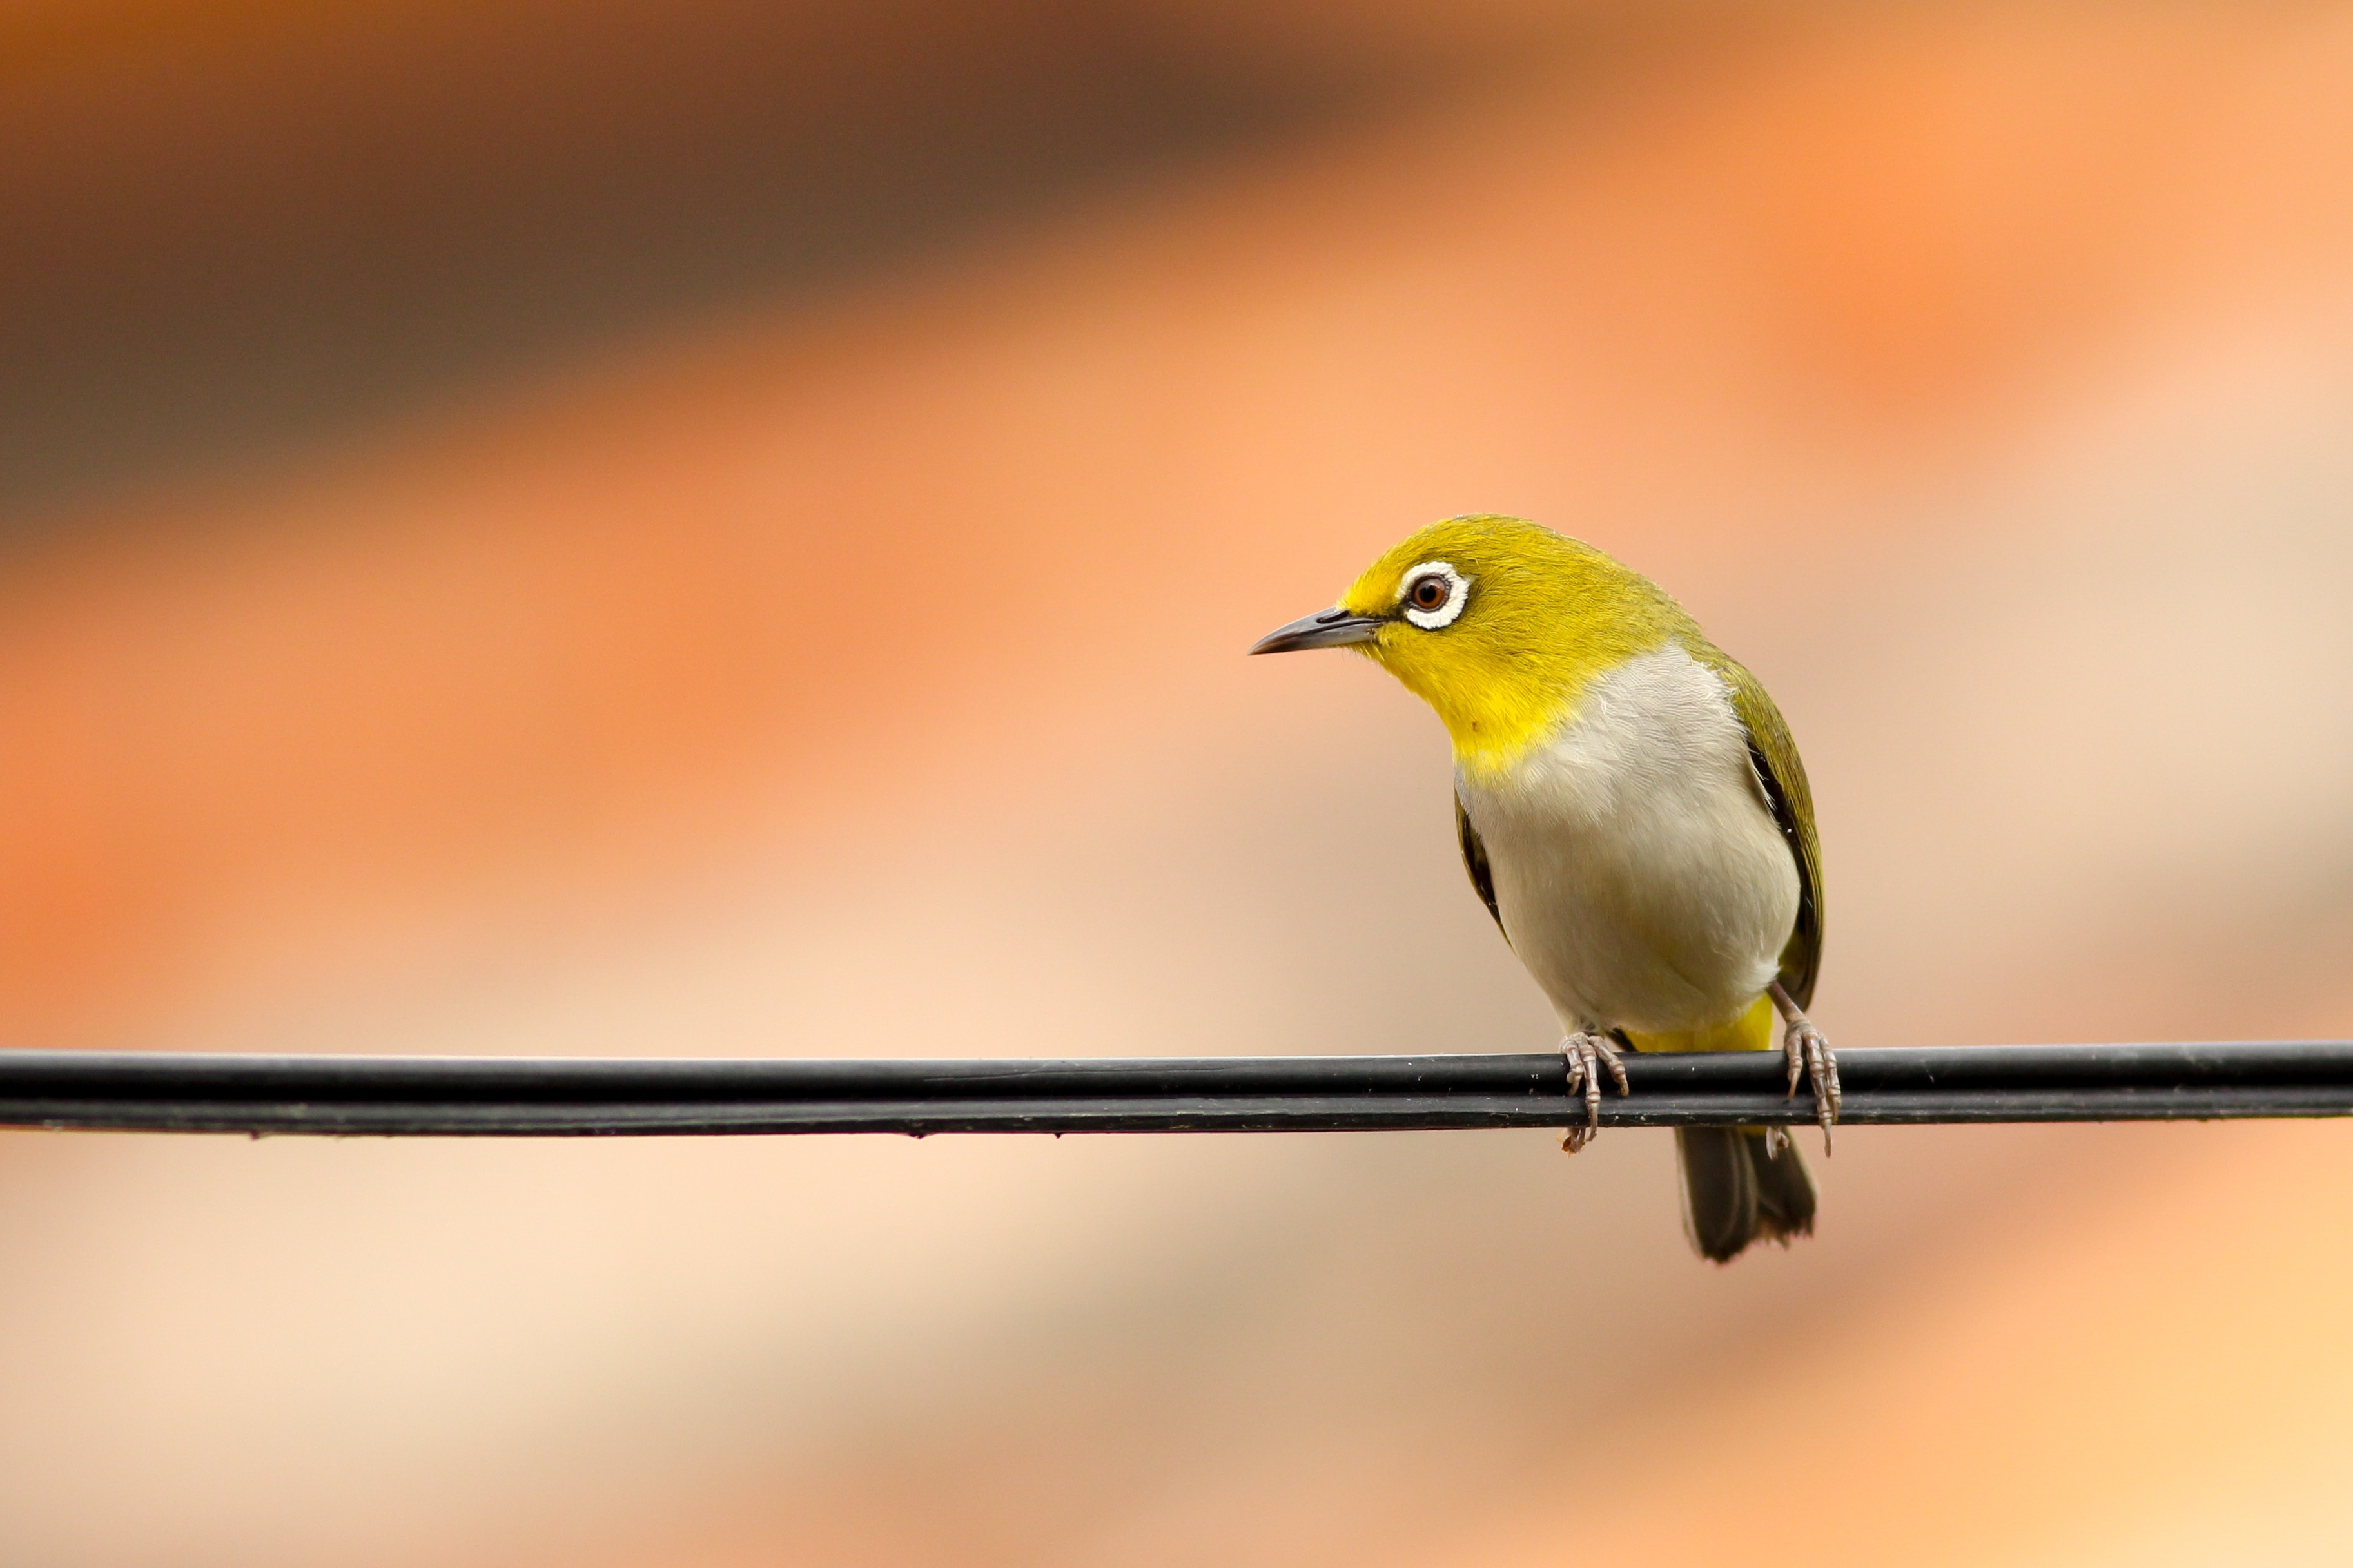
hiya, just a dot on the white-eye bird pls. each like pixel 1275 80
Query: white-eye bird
pixel 1632 810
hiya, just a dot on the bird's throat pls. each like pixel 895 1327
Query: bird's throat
pixel 1495 712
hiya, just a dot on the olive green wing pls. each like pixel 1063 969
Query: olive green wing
pixel 1475 860
pixel 1782 777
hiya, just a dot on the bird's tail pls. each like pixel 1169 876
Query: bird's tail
pixel 1734 1192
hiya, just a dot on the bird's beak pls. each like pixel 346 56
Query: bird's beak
pixel 1332 628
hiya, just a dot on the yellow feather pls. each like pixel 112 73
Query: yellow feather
pixel 1751 1031
pixel 1552 614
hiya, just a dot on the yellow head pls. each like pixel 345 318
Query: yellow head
pixel 1497 623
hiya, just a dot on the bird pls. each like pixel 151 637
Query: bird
pixel 1631 809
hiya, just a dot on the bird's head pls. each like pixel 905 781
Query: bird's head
pixel 1496 622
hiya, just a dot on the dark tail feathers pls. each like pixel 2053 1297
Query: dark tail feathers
pixel 1735 1192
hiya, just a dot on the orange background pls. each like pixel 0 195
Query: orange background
pixel 716 529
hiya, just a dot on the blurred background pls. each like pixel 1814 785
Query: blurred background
pixel 718 528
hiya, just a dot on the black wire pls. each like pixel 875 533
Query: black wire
pixel 440 1096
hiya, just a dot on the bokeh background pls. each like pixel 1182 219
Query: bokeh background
pixel 727 527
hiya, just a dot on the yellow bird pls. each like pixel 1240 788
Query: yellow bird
pixel 1632 811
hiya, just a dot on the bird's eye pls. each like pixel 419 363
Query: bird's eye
pixel 1432 596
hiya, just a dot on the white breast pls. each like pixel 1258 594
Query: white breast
pixel 1640 874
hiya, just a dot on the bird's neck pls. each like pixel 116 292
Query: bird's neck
pixel 1501 711
pixel 1495 724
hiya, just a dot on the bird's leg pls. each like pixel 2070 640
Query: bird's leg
pixel 1811 1058
pixel 1589 1052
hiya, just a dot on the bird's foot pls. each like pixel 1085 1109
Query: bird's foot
pixel 1810 1060
pixel 1590 1055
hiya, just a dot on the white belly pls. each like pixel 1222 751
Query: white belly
pixel 1639 871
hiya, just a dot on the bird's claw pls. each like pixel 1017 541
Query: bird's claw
pixel 1811 1059
pixel 1588 1056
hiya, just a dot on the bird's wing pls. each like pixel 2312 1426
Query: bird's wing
pixel 1475 860
pixel 1782 777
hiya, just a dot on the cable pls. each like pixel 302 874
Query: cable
pixel 406 1097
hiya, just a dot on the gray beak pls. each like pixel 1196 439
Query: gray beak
pixel 1332 628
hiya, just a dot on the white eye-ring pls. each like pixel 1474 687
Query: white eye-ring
pixel 1433 594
